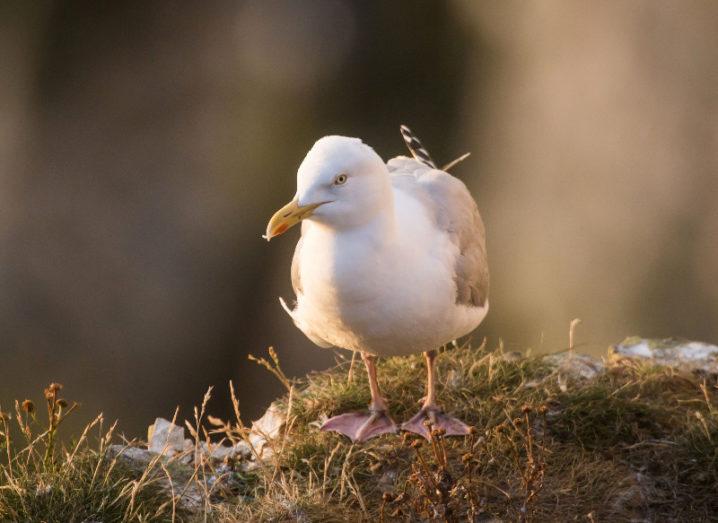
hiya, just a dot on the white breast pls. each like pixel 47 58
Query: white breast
pixel 386 288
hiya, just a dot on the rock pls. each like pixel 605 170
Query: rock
pixel 168 439
pixel 670 352
pixel 135 457
pixel 220 452
pixel 164 437
pixel 267 428
pixel 679 354
pixel 138 459
pixel 511 356
pixel 576 365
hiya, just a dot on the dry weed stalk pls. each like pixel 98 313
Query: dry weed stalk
pixel 535 466
pixel 572 333
pixel 43 479
pixel 273 367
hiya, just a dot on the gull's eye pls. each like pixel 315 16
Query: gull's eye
pixel 340 179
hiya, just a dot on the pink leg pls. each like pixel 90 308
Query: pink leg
pixel 361 426
pixel 431 411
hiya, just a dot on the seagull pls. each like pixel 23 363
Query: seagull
pixel 391 262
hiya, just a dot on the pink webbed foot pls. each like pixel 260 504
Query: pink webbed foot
pixel 361 426
pixel 438 420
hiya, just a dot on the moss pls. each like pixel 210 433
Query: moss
pixel 625 445
pixel 636 443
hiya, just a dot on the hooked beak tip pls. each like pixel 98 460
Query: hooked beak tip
pixel 287 217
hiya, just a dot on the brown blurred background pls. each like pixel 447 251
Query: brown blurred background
pixel 143 146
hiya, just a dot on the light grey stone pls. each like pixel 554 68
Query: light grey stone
pixel 164 437
pixel 575 365
pixel 670 352
pixel 136 457
pixel 267 428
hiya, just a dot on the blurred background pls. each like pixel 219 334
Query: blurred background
pixel 144 145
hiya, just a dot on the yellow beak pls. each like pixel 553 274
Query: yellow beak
pixel 287 217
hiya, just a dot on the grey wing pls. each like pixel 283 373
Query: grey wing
pixel 456 213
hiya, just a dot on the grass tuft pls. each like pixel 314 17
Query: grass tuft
pixel 638 442
pixel 43 481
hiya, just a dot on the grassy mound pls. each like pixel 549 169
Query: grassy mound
pixel 636 442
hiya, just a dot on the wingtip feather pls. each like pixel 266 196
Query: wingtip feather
pixel 285 306
pixel 417 149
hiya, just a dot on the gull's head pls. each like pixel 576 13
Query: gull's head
pixel 342 182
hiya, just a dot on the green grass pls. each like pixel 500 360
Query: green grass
pixel 81 481
pixel 638 442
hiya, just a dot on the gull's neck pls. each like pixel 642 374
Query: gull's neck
pixel 379 227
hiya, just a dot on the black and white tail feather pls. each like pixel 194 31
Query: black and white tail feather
pixel 419 152
pixel 415 147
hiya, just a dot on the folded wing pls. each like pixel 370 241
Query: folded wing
pixel 455 212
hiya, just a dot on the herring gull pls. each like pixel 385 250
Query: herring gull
pixel 391 261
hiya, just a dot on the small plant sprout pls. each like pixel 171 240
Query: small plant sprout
pixel 572 333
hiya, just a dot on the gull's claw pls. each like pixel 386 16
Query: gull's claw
pixel 438 420
pixel 361 426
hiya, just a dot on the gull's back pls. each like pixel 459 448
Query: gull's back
pixel 455 213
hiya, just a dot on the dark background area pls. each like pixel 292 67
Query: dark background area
pixel 144 145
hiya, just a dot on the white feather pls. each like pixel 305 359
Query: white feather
pixel 382 282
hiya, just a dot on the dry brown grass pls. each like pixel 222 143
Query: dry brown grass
pixel 636 443
pixel 41 480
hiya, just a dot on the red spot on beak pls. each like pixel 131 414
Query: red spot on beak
pixel 281 229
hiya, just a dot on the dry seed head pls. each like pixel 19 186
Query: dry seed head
pixel 62 403
pixel 387 497
pixel 54 387
pixel 518 421
pixel 215 421
pixel 543 409
pixel 438 432
pixel 466 458
pixel 526 409
pixel 416 444
pixel 28 406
